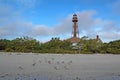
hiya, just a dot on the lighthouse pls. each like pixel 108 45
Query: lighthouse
pixel 75 26
pixel 75 34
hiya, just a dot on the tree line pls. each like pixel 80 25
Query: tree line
pixel 55 45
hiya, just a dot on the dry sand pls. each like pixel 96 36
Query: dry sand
pixel 29 66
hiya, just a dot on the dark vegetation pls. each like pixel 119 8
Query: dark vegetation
pixel 55 45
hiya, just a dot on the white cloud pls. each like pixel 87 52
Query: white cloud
pixel 27 3
pixel 14 29
pixel 110 31
pixel 11 23
pixel 88 26
pixel 23 3
pixel 65 26
pixel 85 21
pixel 39 30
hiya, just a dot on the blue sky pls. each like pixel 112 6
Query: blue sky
pixel 44 19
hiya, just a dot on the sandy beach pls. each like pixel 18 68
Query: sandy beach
pixel 30 66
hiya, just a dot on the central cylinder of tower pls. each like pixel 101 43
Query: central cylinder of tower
pixel 75 20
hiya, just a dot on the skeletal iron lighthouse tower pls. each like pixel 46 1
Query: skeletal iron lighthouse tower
pixel 75 34
pixel 75 26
